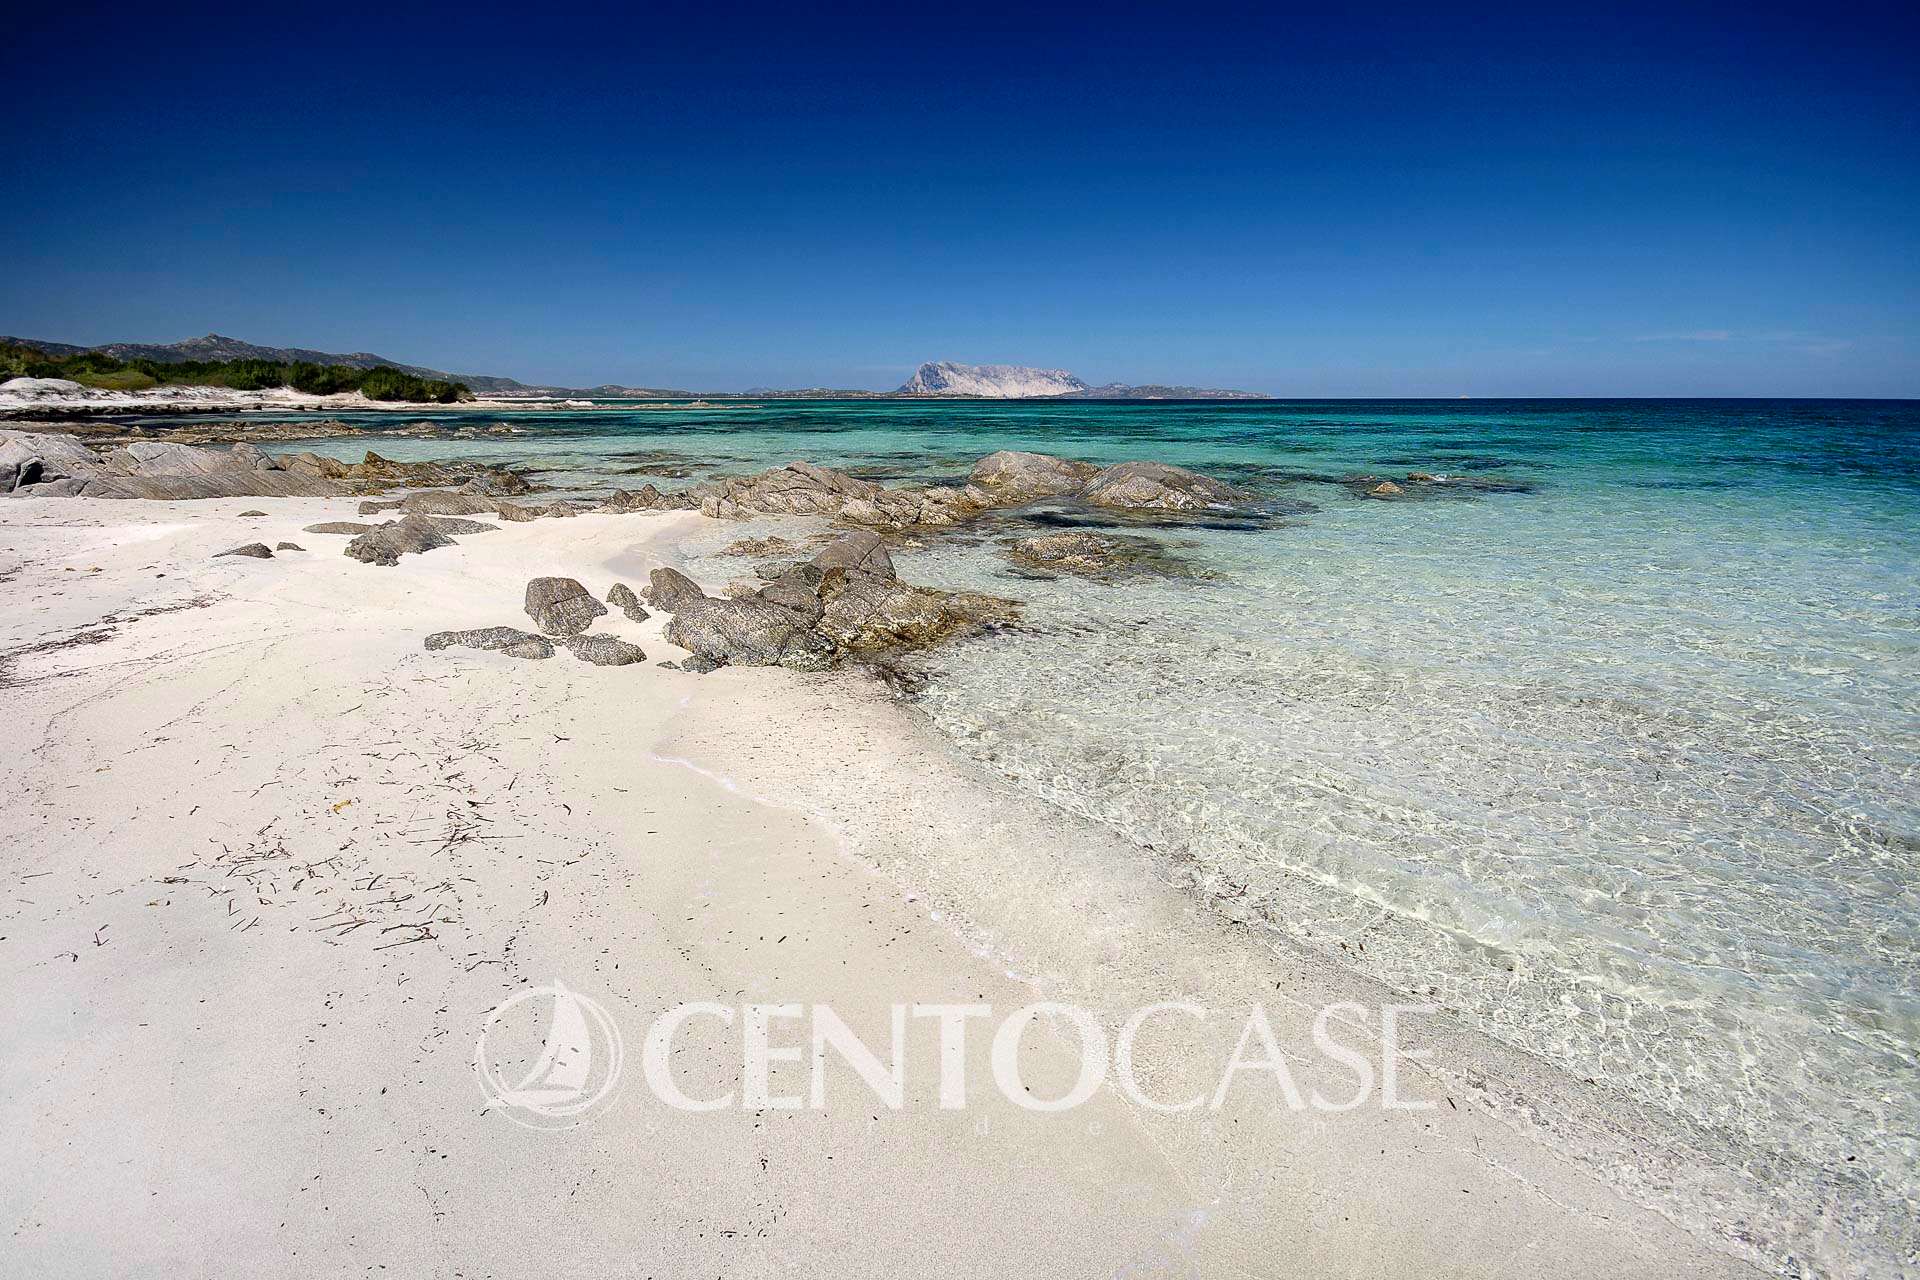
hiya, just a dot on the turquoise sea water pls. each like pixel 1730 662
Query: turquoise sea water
pixel 1618 752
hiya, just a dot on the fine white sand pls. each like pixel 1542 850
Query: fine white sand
pixel 61 395
pixel 216 766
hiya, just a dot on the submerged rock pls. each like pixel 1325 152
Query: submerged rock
pixel 497 482
pixel 511 641
pixel 561 606
pixel 1101 556
pixel 256 550
pixel 771 545
pixel 648 498
pixel 623 599
pixel 1155 486
pixel 384 544
pixel 603 650
pixel 1423 485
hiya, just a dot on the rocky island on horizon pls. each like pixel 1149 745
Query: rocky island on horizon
pixel 945 378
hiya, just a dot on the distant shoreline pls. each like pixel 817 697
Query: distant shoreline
pixel 185 401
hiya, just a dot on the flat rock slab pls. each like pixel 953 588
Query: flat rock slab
pixel 439 502
pixel 511 641
pixel 386 543
pixel 454 525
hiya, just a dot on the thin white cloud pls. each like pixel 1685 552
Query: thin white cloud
pixel 1697 335
pixel 1814 344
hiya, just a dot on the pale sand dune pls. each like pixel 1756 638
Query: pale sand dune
pixel 201 1075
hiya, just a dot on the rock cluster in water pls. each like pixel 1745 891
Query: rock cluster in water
pixel 1004 479
pixel 845 602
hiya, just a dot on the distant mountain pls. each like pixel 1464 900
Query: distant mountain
pixel 1018 382
pixel 992 381
pixel 214 347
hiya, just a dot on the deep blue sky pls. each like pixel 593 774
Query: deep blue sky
pixel 1429 201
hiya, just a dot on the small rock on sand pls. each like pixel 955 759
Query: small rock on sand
pixel 288 546
pixel 257 550
pixel 623 599
pixel 561 606
pixel 604 650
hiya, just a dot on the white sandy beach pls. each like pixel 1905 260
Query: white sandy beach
pixel 25 396
pixel 220 765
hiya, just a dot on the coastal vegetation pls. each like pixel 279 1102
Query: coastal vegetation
pixel 96 369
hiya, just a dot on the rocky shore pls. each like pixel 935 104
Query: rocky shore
pixel 845 603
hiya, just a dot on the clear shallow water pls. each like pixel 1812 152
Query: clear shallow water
pixel 1625 767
